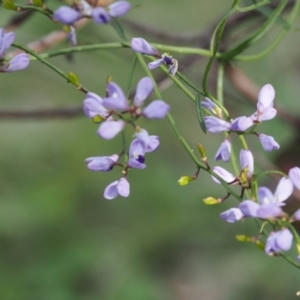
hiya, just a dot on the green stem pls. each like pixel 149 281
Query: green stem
pixel 51 66
pixel 288 259
pixel 35 8
pixel 253 6
pixel 256 35
pixel 277 40
pixel 271 172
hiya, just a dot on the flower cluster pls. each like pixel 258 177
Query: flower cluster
pixel 142 46
pixel 82 9
pixel 113 112
pixel 265 111
pixel 19 62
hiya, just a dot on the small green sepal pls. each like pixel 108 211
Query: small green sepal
pixel 201 151
pixel 211 201
pixel 184 180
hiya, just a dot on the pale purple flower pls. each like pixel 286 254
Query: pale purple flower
pixel 100 15
pixel 216 125
pixel 224 151
pixel 137 154
pixel 116 98
pixel 241 123
pixel 265 105
pixel 119 187
pixel 232 215
pixel 157 109
pixel 92 106
pixel 269 205
pixel 165 59
pixel 109 129
pixel 6 39
pixel 155 64
pixel 119 8
pixel 225 175
pixel 151 142
pixel 142 46
pixel 19 62
pixel 279 241
pixel 246 160
pixel 67 15
pixel 211 106
pixel 101 163
pixel 294 175
pixel 268 142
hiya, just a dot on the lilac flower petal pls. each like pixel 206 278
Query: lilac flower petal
pixel 119 8
pixel 249 208
pixel 111 191
pixel 225 175
pixel 224 151
pixel 268 114
pixel 246 160
pixel 271 210
pixel 232 215
pixel 66 15
pixel 284 240
pixel 142 46
pixel 153 143
pixel 216 125
pixel 6 39
pixel 123 187
pixel 270 244
pixel 143 90
pixel 100 15
pixel 134 163
pixel 266 96
pixel 155 64
pixel 208 104
pixel 19 62
pixel 72 37
pixel 294 175
pixel 296 215
pixel 109 129
pixel 157 109
pixel 116 99
pixel 143 136
pixel 268 142
pixel 284 189
pixel 100 163
pixel 241 123
pixel 265 196
pixel 92 106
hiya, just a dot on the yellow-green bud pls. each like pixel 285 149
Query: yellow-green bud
pixel 211 201
pixel 243 238
pixel 97 119
pixel 201 151
pixel 184 180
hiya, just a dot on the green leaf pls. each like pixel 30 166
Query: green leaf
pixel 131 76
pixel 118 28
pixel 73 78
pixel 9 4
pixel 199 113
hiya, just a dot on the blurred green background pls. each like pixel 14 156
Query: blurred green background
pixel 61 240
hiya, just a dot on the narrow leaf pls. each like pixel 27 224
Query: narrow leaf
pixel 199 113
pixel 118 28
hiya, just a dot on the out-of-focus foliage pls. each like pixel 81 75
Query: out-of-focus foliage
pixel 60 240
